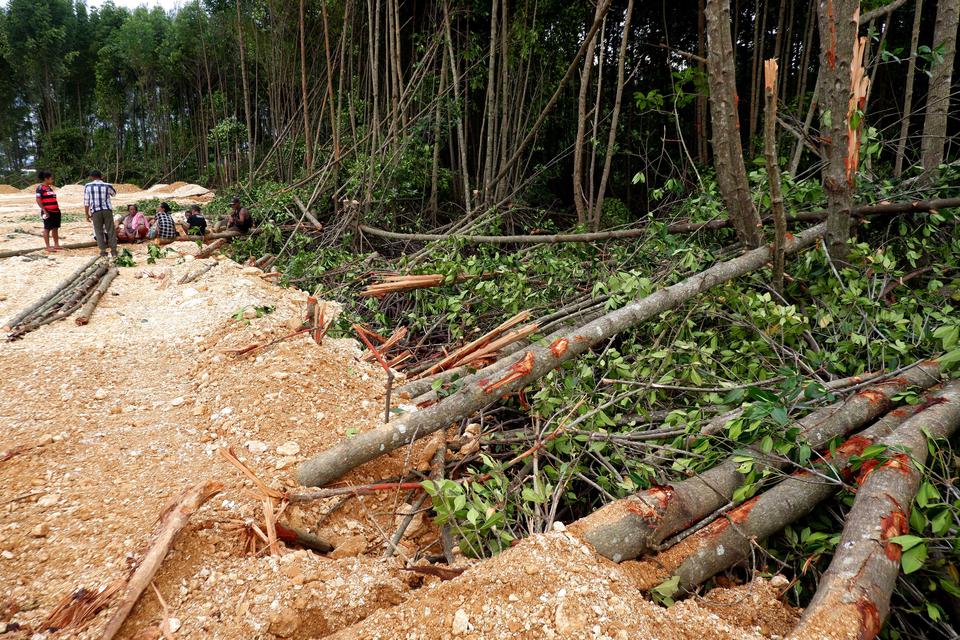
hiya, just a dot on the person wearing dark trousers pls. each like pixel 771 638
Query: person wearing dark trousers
pixel 99 210
pixel 49 210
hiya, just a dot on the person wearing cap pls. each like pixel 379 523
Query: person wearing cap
pixel 98 210
pixel 239 219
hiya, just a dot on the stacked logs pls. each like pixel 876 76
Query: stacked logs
pixel 82 290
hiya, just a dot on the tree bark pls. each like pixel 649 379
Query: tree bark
pixel 88 307
pixel 728 540
pixel 727 150
pixel 838 32
pixel 853 597
pixel 579 200
pixel 615 117
pixel 304 93
pixel 908 91
pixel 246 93
pixel 531 366
pixel 635 525
pixel 773 169
pixel 64 284
pixel 938 95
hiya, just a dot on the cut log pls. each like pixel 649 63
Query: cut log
pixel 636 525
pixel 727 541
pixel 532 365
pixel 84 316
pixel 12 253
pixel 853 597
pixel 863 211
pixel 171 521
pixel 211 248
pixel 65 284
pixel 196 274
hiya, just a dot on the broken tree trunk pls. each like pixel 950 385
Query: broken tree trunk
pixel 532 365
pixel 84 316
pixel 171 521
pixel 853 597
pixel 727 540
pixel 637 524
pixel 773 168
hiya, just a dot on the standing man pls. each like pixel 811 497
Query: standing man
pixel 49 210
pixel 97 208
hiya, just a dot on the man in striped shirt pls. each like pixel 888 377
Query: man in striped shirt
pixel 99 210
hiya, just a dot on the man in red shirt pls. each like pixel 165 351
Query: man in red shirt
pixel 49 210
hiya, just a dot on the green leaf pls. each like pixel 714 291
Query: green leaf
pixel 913 559
pixel 948 360
pixel 907 542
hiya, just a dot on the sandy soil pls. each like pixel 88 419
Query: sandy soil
pixel 130 410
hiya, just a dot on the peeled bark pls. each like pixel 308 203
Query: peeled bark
pixel 938 95
pixel 838 32
pixel 853 597
pixel 728 540
pixel 636 525
pixel 727 149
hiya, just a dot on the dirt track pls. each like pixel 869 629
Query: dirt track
pixel 130 410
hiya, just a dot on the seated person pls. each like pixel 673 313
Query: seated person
pixel 163 227
pixel 239 219
pixel 195 220
pixel 133 227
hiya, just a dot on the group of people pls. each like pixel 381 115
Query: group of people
pixel 135 226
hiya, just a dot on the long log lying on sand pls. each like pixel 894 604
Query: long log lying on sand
pixel 12 253
pixel 84 316
pixel 853 597
pixel 636 525
pixel 211 248
pixel 171 521
pixel 536 362
pixel 210 237
pixel 863 211
pixel 65 283
pixel 727 541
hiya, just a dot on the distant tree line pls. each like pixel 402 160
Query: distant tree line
pixel 454 105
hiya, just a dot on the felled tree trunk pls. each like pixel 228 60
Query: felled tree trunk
pixel 84 316
pixel 853 598
pixel 727 541
pixel 727 149
pixel 636 525
pixel 532 365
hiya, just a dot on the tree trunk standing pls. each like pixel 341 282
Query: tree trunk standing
pixel 615 116
pixel 758 36
pixel 853 597
pixel 304 93
pixel 908 90
pixel 773 169
pixel 578 196
pixel 938 96
pixel 591 171
pixel 490 110
pixel 433 206
pixel 838 33
pixel 334 104
pixel 461 134
pixel 246 93
pixel 727 150
pixel 703 153
pixel 373 68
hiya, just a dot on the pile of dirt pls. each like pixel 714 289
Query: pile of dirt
pixel 190 191
pixel 176 185
pixel 554 586
pixel 158 188
pixel 7 190
pixel 31 189
pixel 126 187
pixel 70 190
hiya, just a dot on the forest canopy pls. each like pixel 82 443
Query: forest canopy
pixel 418 102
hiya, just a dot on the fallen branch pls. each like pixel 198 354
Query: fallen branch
pixel 196 274
pixel 728 540
pixel 76 609
pixel 532 365
pixel 637 524
pixel 171 521
pixel 853 597
pixel 88 307
pixel 460 354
